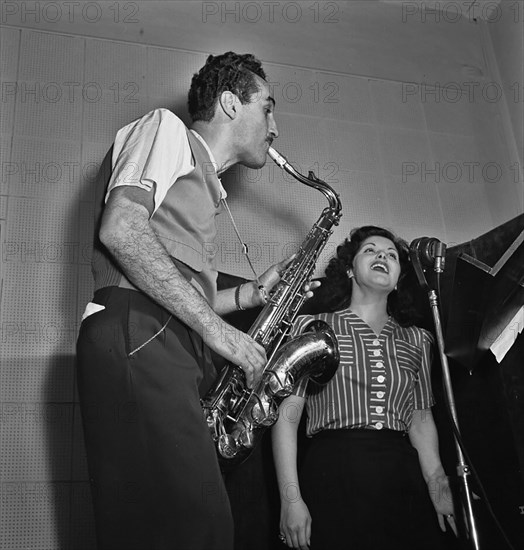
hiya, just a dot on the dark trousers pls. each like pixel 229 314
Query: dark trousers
pixel 365 491
pixel 153 468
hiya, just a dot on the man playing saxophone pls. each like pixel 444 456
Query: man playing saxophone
pixel 145 340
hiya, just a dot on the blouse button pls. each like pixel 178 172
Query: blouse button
pixel 379 364
pixel 380 379
pixel 379 410
pixel 380 394
pixel 379 425
pixel 376 352
pixel 376 343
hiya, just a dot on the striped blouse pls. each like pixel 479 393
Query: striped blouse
pixel 380 379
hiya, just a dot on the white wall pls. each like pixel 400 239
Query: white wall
pixel 392 106
pixel 506 30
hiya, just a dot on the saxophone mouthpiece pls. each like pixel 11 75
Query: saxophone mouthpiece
pixel 279 159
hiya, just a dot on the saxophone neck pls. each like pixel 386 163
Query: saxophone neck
pixel 311 180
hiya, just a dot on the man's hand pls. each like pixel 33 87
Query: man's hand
pixel 271 277
pixel 236 347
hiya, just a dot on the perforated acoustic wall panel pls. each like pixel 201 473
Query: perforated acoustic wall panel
pixel 396 156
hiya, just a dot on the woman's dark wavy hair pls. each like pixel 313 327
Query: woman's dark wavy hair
pixel 227 72
pixel 400 301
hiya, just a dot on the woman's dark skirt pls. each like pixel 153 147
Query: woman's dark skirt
pixel 364 490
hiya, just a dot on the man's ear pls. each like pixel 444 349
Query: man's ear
pixel 228 102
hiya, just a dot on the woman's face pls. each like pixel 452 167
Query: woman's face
pixel 376 265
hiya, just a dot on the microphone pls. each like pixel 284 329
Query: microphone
pixel 430 251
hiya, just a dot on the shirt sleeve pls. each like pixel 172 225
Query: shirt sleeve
pixel 423 395
pixel 151 153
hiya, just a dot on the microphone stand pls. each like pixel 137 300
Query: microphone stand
pixel 463 470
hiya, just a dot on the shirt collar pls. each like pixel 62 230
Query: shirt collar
pixel 389 327
pixel 223 193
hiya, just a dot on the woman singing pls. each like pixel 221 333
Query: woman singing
pixel 372 476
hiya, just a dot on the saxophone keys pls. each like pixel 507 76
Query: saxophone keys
pixel 280 384
pixel 247 439
pixel 227 446
pixel 265 413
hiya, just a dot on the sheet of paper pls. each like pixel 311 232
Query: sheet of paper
pixel 508 336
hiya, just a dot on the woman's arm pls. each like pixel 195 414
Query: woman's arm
pixel 295 521
pixel 423 436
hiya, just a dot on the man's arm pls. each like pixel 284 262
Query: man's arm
pixel 249 295
pixel 127 234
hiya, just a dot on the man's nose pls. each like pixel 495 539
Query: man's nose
pixel 273 130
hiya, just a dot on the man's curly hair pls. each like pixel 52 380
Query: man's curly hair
pixel 227 72
pixel 400 301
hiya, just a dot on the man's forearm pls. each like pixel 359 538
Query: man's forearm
pixel 146 263
pixel 243 296
pixel 129 237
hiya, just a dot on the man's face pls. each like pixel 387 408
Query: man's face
pixel 256 127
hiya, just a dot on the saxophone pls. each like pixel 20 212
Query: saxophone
pixel 237 415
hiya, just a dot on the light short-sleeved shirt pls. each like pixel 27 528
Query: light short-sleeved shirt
pixel 159 154
pixel 380 381
pixel 153 152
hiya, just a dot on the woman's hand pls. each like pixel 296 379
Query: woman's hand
pixel 423 436
pixel 295 525
pixel 442 499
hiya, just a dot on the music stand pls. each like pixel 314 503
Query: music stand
pixel 483 301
